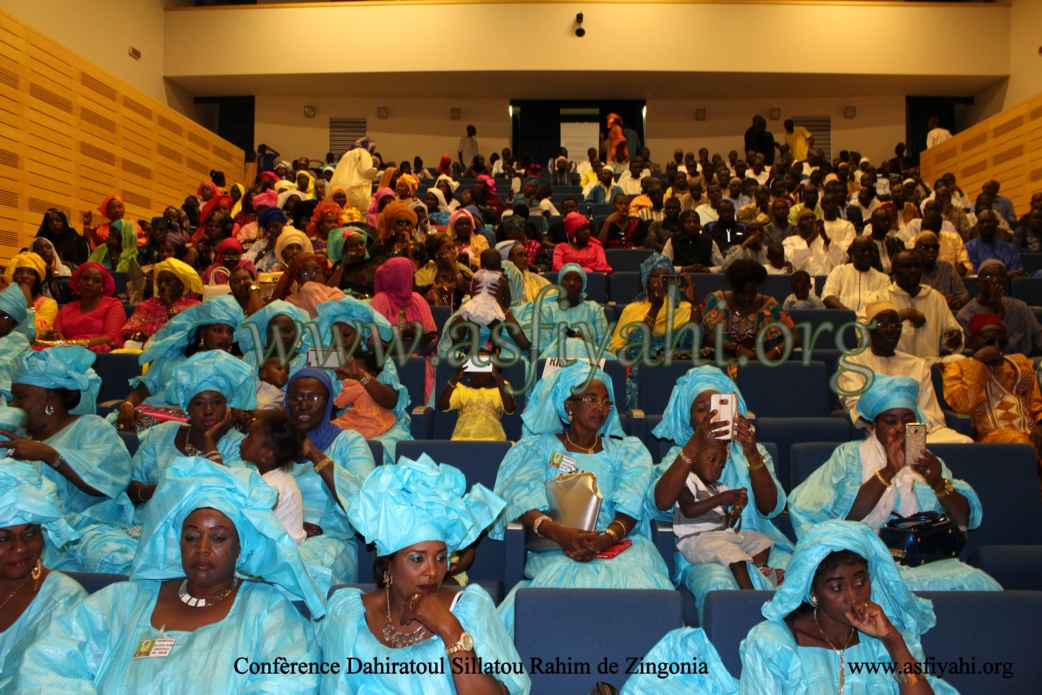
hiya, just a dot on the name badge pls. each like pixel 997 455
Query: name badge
pixel 154 648
pixel 565 464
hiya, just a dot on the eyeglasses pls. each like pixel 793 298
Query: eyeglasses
pixel 930 247
pixel 402 222
pixel 298 398
pixel 594 402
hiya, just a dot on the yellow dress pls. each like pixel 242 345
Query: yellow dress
pixel 480 412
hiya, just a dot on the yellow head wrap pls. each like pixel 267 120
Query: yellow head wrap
pixel 26 259
pixel 184 272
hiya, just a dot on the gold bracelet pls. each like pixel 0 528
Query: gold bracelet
pixel 948 488
pixel 365 379
pixel 609 532
pixel 685 458
pixel 881 479
pixel 322 464
pixel 621 526
pixel 762 464
pixel 904 678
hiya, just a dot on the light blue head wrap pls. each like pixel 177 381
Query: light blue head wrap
pixel 26 497
pixel 62 368
pixel 268 551
pixel 12 303
pixel 213 370
pixel 909 613
pixel 347 310
pixel 505 247
pixel 263 317
pixel 652 263
pixel 676 419
pixel 573 268
pixel 517 284
pixel 545 412
pixel 419 501
pixel 888 392
pixel 176 334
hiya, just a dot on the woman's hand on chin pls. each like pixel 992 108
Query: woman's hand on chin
pixel 869 618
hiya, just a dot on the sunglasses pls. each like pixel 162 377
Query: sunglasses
pixel 930 247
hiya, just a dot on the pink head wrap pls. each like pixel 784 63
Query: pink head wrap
pixel 573 222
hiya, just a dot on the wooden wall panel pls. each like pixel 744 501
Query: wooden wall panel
pixel 70 134
pixel 1006 147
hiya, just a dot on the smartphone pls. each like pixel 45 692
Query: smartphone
pixel 614 550
pixel 915 441
pixel 679 280
pixel 324 359
pixel 726 407
pixel 481 364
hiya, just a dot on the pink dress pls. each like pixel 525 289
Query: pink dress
pixel 106 319
pixel 365 416
pixel 591 257
pixel 393 286
pixel 150 315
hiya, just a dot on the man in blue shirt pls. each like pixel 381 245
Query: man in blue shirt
pixel 988 246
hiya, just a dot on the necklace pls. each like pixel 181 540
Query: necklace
pixel 842 658
pixel 588 450
pixel 398 640
pixel 194 602
pixel 19 588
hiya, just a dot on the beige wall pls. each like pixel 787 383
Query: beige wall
pixel 1025 40
pixel 879 125
pixel 102 31
pixel 549 44
pixel 414 126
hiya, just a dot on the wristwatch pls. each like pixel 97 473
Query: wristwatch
pixel 465 644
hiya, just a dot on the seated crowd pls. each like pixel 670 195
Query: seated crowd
pixel 265 423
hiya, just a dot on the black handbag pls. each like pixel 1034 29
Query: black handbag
pixel 920 538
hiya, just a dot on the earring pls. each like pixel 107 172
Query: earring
pixel 569 414
pixel 388 578
pixel 37 571
pixel 814 600
pixel 202 343
pixel 48 410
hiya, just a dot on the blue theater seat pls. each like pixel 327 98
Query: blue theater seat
pixel 413 375
pixel 627 259
pixel 727 617
pixel 791 389
pixel 441 316
pixel 1027 289
pixel 115 371
pixel 587 626
pixel 996 631
pixel 93 582
pixel 479 461
pixel 494 589
pixel 807 457
pixel 130 440
pixel 787 431
pixel 655 385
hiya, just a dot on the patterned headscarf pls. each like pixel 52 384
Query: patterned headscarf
pixel 652 263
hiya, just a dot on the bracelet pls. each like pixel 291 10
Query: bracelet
pixel 609 532
pixel 621 526
pixel 141 499
pixel 685 458
pixel 322 464
pixel 948 488
pixel 212 456
pixel 57 463
pixel 904 678
pixel 365 379
pixel 880 478
pixel 538 522
pixel 761 464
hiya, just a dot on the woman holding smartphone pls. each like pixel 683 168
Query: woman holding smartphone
pixel 868 480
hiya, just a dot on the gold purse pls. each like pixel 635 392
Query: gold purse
pixel 575 502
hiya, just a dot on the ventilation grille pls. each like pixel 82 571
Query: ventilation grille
pixel 821 128
pixel 343 132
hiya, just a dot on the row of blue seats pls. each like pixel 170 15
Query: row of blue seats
pixel 590 627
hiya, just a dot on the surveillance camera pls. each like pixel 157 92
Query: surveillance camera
pixel 580 32
pixel 579 18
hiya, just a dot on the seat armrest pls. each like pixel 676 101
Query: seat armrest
pixel 514 566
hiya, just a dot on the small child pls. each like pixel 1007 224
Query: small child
pixel 361 412
pixel 271 445
pixel 803 295
pixel 776 263
pixel 705 527
pixel 491 260
pixel 271 384
pixel 546 206
pixel 481 404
